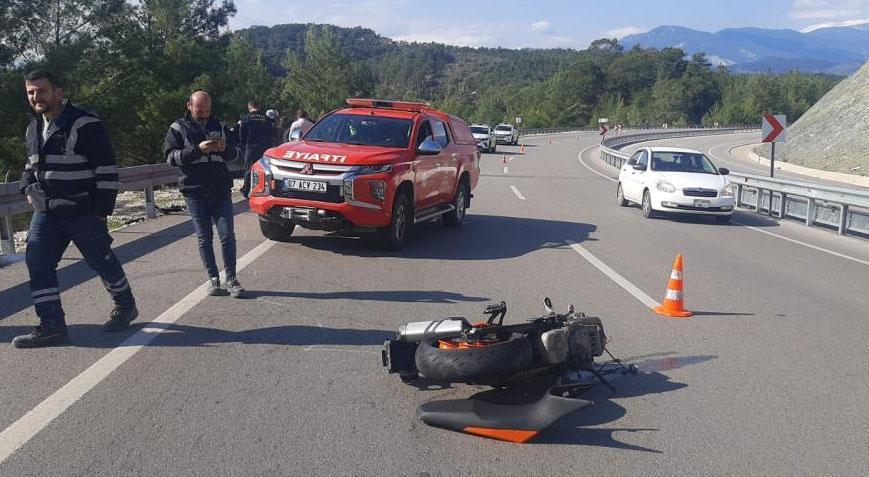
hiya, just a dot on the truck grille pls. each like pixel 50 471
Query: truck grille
pixel 700 192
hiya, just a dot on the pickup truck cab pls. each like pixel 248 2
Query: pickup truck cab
pixel 374 166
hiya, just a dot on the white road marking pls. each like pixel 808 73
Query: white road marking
pixel 614 276
pixel 804 244
pixel 579 158
pixel 517 193
pixel 771 234
pixel 25 428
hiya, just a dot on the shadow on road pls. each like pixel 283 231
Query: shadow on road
pixel 17 298
pixel 482 237
pixel 404 296
pixel 91 336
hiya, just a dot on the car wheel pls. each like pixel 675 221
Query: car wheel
pixel 277 231
pixel 456 217
pixel 648 211
pixel 402 215
pixel 620 197
pixel 722 219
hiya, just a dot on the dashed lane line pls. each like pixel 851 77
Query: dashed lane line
pixel 517 193
pixel 29 425
pixel 614 276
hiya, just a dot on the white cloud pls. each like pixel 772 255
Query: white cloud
pixel 622 32
pixel 541 26
pixel 828 9
pixel 847 23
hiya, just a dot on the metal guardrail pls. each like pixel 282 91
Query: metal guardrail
pixel 131 178
pixel 841 208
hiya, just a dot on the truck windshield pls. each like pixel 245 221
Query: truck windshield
pixel 479 130
pixel 362 130
pixel 503 128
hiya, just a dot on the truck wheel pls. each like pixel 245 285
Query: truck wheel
pixel 456 217
pixel 277 231
pixel 492 363
pixel 402 217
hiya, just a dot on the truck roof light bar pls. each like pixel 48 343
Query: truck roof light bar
pixel 380 104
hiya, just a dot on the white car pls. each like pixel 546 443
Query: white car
pixel 507 134
pixel 666 179
pixel 485 137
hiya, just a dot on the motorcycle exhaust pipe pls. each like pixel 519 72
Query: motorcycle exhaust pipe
pixel 419 330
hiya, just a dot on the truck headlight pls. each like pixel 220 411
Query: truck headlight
pixel 365 170
pixel 665 186
pixel 260 178
pixel 727 192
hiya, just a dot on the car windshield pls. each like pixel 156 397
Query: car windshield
pixel 682 162
pixel 362 130
pixel 479 130
pixel 503 128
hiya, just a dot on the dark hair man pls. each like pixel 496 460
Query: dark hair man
pixel 256 133
pixel 200 146
pixel 71 180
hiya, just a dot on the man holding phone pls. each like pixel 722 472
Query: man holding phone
pixel 200 145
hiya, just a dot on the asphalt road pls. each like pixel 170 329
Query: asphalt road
pixel 769 378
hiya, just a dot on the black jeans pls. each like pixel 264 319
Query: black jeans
pixel 205 209
pixel 47 239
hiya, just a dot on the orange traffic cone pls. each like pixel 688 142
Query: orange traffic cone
pixel 674 304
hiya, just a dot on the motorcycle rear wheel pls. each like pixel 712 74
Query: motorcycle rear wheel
pixel 488 364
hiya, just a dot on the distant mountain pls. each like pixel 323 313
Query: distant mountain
pixel 835 50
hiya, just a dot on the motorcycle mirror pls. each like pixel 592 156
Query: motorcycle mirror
pixel 547 305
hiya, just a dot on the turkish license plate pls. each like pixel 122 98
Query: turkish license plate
pixel 310 186
pixel 703 204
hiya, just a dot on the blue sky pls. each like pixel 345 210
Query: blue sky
pixel 544 24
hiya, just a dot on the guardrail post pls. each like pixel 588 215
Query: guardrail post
pixel 150 209
pixel 758 200
pixel 782 211
pixel 738 195
pixel 843 219
pixel 7 236
pixel 810 212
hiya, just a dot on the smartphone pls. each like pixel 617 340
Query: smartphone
pixel 214 135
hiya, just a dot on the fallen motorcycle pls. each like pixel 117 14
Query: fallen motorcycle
pixel 554 349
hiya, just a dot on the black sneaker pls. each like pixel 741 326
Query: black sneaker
pixel 214 288
pixel 234 288
pixel 120 318
pixel 42 336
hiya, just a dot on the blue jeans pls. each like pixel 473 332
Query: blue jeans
pixel 203 211
pixel 47 239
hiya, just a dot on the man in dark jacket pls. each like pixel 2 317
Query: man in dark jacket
pixel 200 146
pixel 256 133
pixel 71 180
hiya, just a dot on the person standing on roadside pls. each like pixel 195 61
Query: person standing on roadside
pixel 256 133
pixel 200 145
pixel 71 181
pixel 303 124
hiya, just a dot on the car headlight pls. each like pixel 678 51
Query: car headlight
pixel 665 186
pixel 726 192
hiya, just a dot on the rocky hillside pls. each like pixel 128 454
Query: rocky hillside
pixel 833 135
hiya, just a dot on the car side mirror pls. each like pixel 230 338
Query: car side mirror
pixel 724 171
pixel 640 167
pixel 295 135
pixel 429 147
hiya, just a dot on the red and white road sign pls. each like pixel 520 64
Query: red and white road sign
pixel 603 129
pixel 773 128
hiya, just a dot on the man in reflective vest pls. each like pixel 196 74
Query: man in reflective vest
pixel 71 180
pixel 200 145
